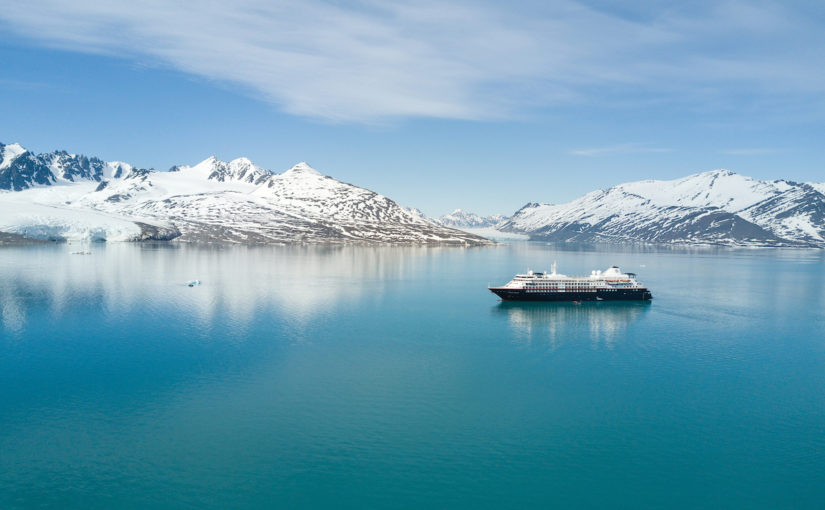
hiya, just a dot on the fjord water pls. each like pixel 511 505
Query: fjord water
pixel 390 377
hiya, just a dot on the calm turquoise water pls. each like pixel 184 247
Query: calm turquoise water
pixel 390 377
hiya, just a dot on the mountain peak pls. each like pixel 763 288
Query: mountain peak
pixel 207 164
pixel 719 172
pixel 241 161
pixel 302 168
pixel 15 147
pixel 10 152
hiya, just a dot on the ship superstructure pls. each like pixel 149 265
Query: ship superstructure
pixel 608 285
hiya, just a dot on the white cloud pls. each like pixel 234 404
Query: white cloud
pixel 625 148
pixel 370 60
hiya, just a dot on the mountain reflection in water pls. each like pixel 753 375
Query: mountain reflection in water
pixel 556 323
pixel 238 283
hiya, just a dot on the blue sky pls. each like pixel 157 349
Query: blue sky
pixel 477 105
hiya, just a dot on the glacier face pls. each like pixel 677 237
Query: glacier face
pixel 717 207
pixel 60 196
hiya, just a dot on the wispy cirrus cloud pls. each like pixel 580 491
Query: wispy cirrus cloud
pixel 625 148
pixel 367 60
pixel 758 151
pixel 13 84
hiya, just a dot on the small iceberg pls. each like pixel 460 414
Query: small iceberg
pixel 80 253
pixel 192 283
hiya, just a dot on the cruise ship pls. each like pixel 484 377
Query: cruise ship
pixel 608 285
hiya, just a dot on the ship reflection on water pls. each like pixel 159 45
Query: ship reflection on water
pixel 543 323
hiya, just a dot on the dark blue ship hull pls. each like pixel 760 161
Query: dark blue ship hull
pixel 597 295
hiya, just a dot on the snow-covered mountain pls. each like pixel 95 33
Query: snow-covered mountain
pixel 461 220
pixel 59 196
pixel 717 207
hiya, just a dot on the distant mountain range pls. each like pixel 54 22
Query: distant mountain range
pixel 718 207
pixel 61 196
pixel 460 219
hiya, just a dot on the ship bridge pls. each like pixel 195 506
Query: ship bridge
pixel 612 277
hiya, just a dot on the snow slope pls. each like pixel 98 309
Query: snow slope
pixel 718 188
